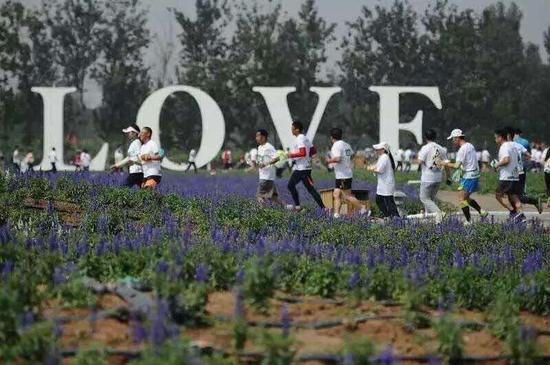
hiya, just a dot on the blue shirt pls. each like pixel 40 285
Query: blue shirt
pixel 522 141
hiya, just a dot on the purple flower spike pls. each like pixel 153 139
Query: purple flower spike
pixel 201 273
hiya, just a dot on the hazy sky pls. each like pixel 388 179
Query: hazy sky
pixel 536 17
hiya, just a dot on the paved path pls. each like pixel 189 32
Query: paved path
pixel 489 203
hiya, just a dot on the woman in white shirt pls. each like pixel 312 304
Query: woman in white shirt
pixel 384 169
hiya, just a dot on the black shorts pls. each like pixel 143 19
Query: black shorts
pixel 134 179
pixel 343 184
pixel 509 187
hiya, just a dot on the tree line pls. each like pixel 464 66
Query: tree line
pixel 487 74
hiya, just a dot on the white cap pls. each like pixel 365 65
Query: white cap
pixel 456 133
pixel 130 129
pixel 381 146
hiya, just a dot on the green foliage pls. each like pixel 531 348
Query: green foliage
pixel 36 342
pixel 522 346
pixel 74 293
pixel 322 281
pixel 240 333
pixel 259 283
pixel 415 315
pixel 361 348
pixel 449 335
pixel 174 352
pixel 91 356
pixel 503 315
pixel 277 349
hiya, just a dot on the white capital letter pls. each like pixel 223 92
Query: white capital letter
pixel 213 124
pixel 389 112
pixel 53 123
pixel 277 105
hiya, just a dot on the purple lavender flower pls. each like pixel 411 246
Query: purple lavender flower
pixel 348 359
pixel 58 276
pixel 201 273
pixel 239 304
pixel 57 330
pixel 354 280
pixel 7 269
pixel 162 267
pixel 54 357
pixel 286 321
pixel 139 333
pixel 239 277
pixel 386 357
pixel 159 327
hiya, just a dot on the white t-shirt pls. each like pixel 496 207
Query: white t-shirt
pixel 52 156
pixel 342 169
pixel 407 155
pixel 386 178
pixel 265 154
pixel 85 159
pixel 399 155
pixel 485 156
pixel 192 155
pixel 467 157
pixel 133 154
pixel 150 168
pixel 428 155
pixel 509 172
pixel 520 150
pixel 302 163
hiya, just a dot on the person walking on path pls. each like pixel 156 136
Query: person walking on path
pixel 132 160
pixel 508 167
pixel 524 157
pixel 265 159
pixel 385 187
pixel 466 161
pixel 340 158
pixel 151 157
pixel 191 161
pixel 432 174
pixel 52 156
pixel 301 154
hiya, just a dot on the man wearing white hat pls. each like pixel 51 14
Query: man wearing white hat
pixel 135 176
pixel 466 160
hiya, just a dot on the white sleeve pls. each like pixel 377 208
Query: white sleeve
pixel 422 154
pixel 382 163
pixel 460 156
pixel 301 141
pixel 335 151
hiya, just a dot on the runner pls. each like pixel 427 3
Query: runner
pixel 524 157
pixel 16 159
pixel 301 154
pixel 385 188
pixel 485 160
pixel 52 156
pixel 85 160
pixel 191 161
pixel 340 158
pixel 150 156
pixel 466 160
pixel 432 175
pixel 135 176
pixel 508 167
pixel 546 156
pixel 266 157
pixel 407 157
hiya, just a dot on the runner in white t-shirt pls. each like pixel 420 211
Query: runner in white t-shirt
pixel 508 166
pixel 524 156
pixel 432 175
pixel 52 156
pixel 265 158
pixel 466 161
pixel 340 157
pixel 151 157
pixel 132 160
pixel 385 188
pixel 301 153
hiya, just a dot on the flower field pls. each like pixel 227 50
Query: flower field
pixel 197 272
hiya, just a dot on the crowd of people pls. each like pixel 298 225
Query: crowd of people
pixel 516 156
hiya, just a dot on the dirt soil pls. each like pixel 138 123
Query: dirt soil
pixel 388 332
